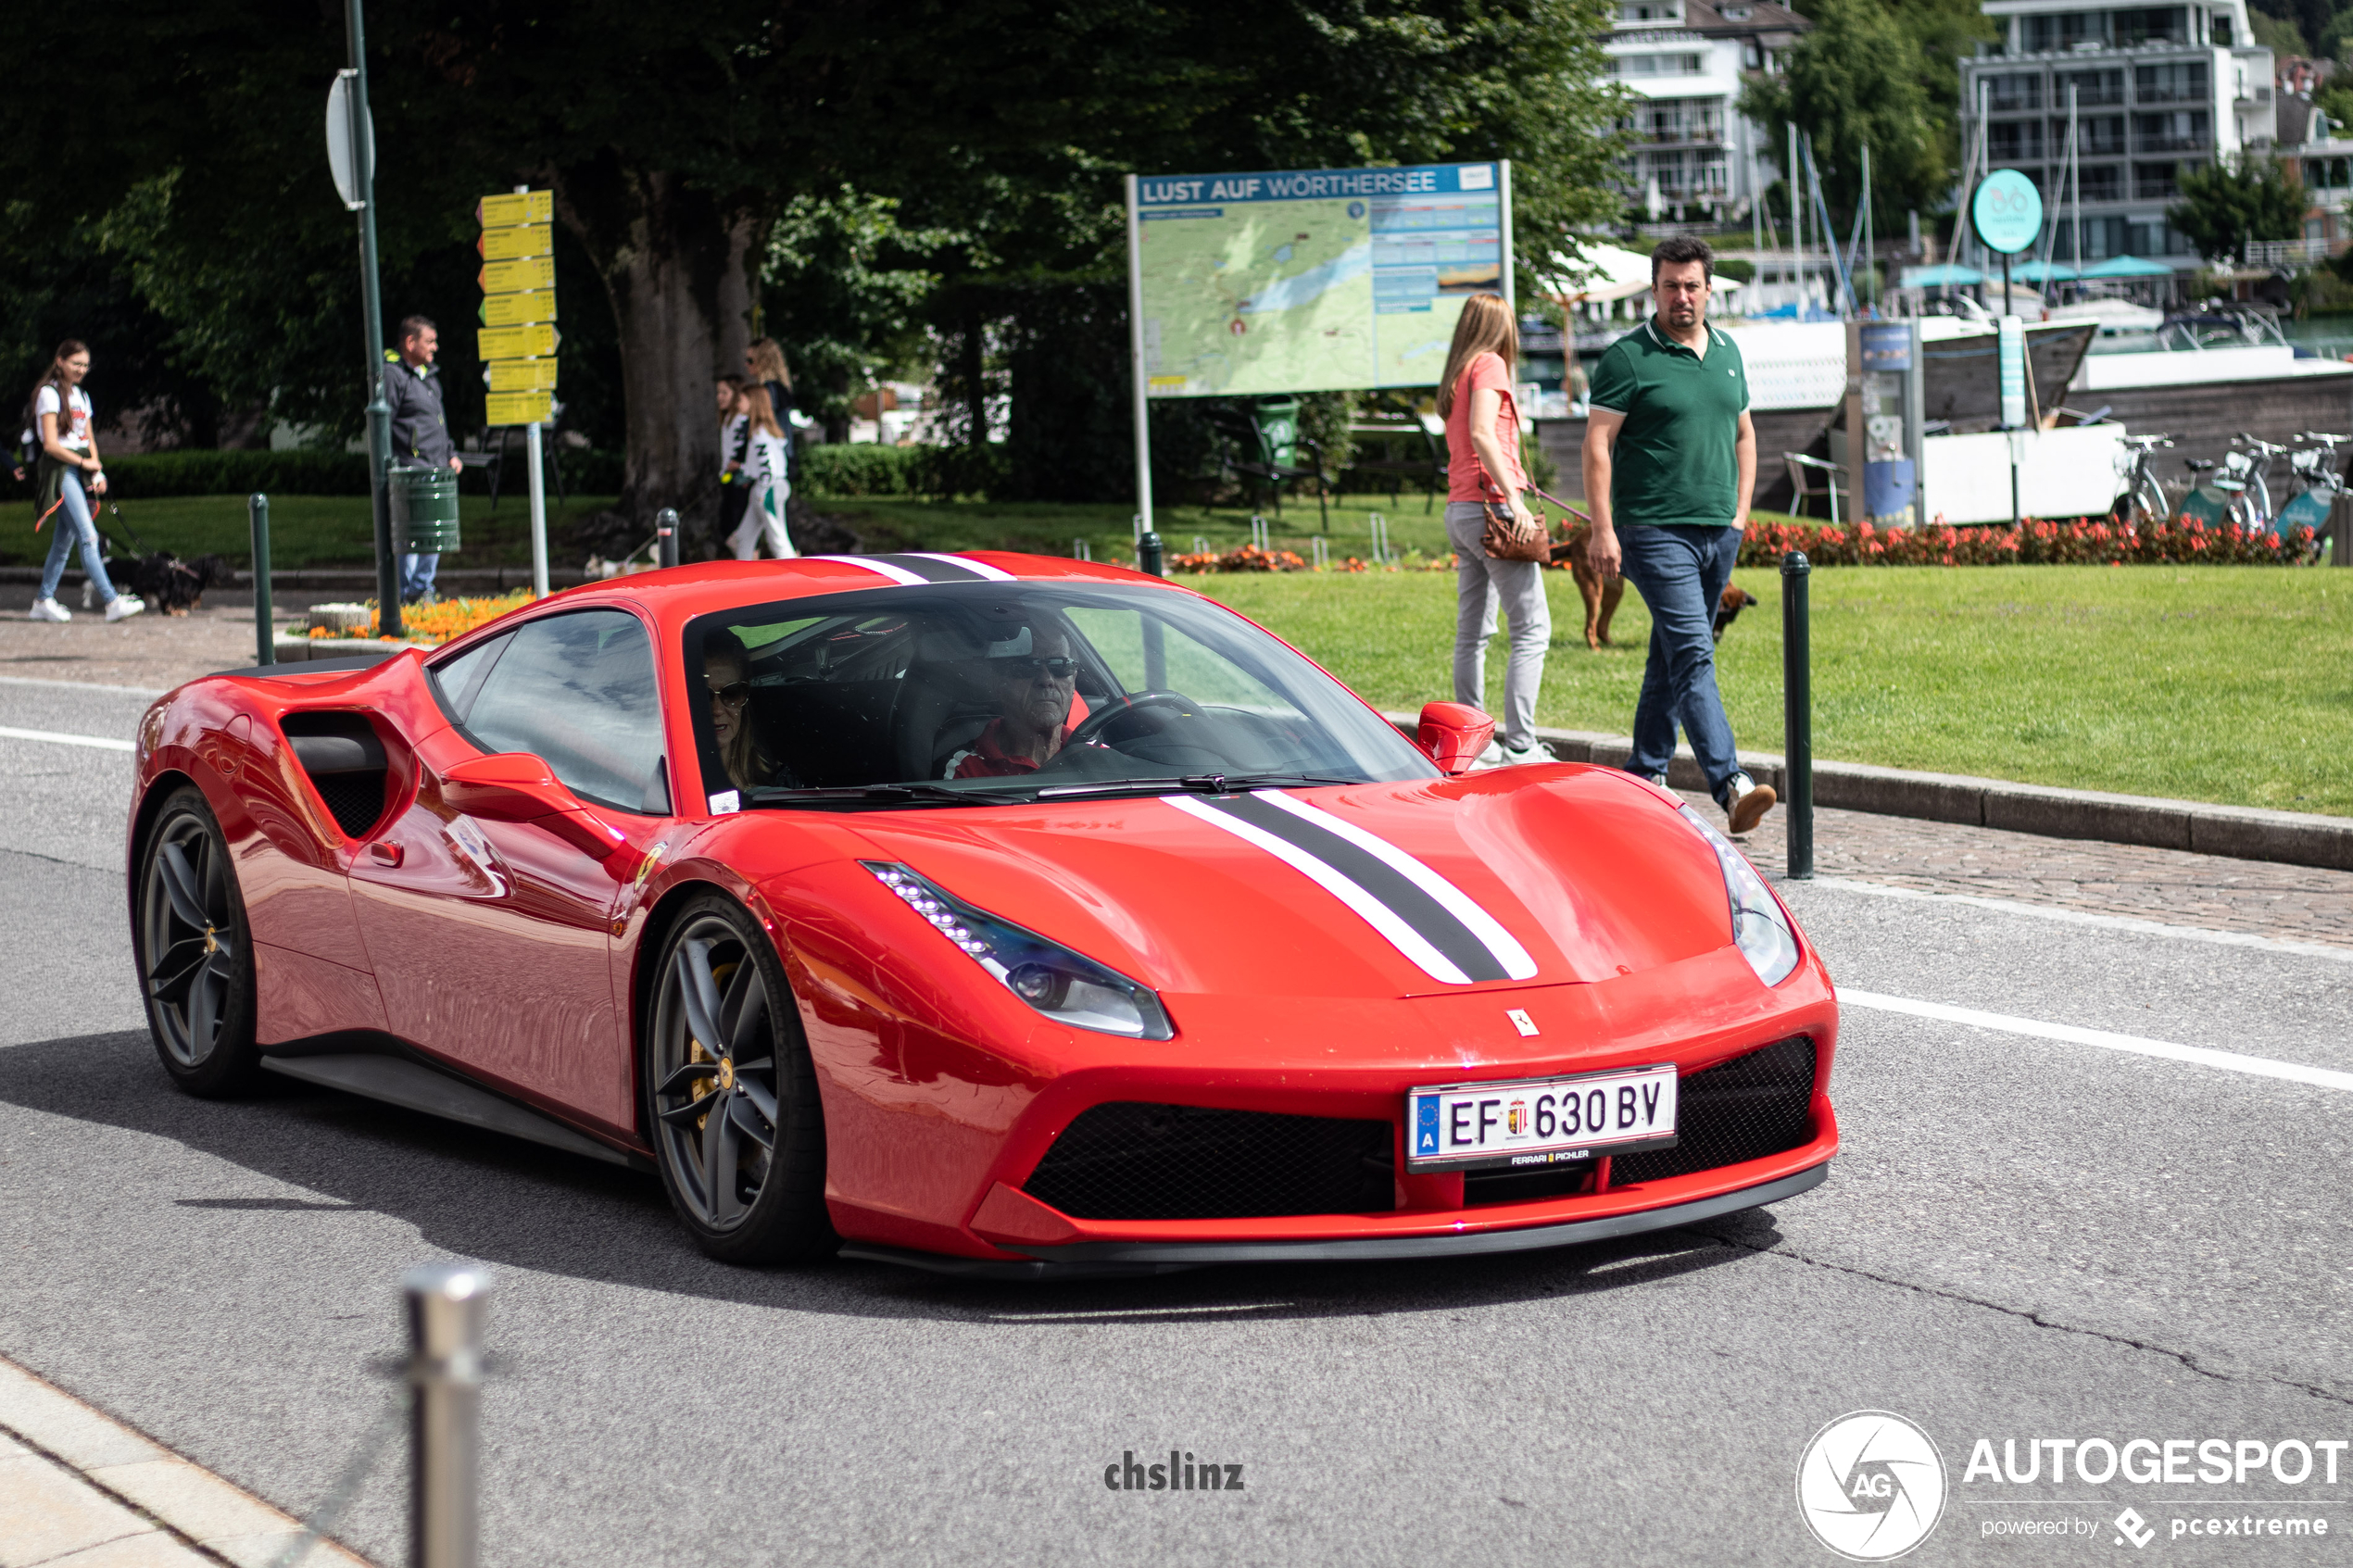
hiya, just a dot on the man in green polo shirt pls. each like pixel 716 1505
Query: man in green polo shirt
pixel 1670 457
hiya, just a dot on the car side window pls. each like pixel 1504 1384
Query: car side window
pixel 459 679
pixel 578 690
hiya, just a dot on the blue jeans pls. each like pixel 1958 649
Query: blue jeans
pixel 1681 572
pixel 73 524
pixel 416 575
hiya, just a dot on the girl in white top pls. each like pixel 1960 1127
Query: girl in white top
pixel 69 475
pixel 764 473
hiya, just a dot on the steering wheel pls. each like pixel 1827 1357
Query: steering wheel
pixel 1087 733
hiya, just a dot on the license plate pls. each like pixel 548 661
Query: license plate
pixel 1531 1123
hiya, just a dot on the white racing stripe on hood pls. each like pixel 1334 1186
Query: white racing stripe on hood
pixel 1377 915
pixel 1486 927
pixel 990 572
pixel 898 574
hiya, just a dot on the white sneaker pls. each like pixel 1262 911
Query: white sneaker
pixel 122 607
pixel 88 595
pixel 1491 758
pixel 1535 753
pixel 50 609
pixel 1658 779
pixel 1746 802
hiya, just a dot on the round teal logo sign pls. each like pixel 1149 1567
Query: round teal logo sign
pixel 2007 211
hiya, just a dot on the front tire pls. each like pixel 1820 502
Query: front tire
pixel 194 951
pixel 731 1093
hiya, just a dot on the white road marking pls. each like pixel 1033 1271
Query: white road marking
pixel 2230 1061
pixel 2080 917
pixel 103 743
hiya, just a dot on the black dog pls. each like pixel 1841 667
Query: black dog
pixel 166 582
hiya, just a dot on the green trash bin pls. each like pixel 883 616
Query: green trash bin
pixel 424 510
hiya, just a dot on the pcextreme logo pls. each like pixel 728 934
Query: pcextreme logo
pixel 1872 1485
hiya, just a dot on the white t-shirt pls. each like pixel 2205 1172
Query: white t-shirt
pixel 76 431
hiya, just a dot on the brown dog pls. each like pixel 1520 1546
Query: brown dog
pixel 1600 599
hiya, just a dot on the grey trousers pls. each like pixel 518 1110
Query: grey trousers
pixel 1483 587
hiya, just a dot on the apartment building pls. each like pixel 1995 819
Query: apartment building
pixel 1684 63
pixel 2155 88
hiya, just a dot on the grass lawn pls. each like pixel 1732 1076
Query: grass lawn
pixel 2224 683
pixel 311 530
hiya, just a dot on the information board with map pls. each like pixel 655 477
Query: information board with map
pixel 1313 280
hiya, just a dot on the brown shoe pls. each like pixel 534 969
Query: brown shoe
pixel 1748 807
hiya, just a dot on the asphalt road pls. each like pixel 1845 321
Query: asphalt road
pixel 2024 1238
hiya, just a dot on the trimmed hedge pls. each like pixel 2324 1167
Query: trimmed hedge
pixel 306 472
pixel 865 468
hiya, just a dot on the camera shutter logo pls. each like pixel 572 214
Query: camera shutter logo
pixel 1872 1485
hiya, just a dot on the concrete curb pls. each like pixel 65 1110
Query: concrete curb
pixel 2245 833
pixel 81 1481
pixel 298 650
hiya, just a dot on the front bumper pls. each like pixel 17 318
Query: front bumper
pixel 1098 1259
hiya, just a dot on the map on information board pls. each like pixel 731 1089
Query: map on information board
pixel 1313 280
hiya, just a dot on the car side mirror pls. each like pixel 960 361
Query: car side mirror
pixel 1453 734
pixel 515 786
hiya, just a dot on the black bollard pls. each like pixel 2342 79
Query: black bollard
pixel 1151 555
pixel 666 537
pixel 265 636
pixel 1797 713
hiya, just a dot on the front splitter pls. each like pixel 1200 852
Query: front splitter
pixel 1100 1259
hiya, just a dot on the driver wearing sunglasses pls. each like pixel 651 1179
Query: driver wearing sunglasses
pixel 1036 682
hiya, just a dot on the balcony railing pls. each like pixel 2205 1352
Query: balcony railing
pixel 2290 253
pixel 2170 144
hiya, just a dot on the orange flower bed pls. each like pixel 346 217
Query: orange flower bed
pixel 446 619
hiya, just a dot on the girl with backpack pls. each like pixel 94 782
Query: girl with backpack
pixel 763 476
pixel 69 474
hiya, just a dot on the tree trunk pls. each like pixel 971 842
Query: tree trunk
pixel 677 262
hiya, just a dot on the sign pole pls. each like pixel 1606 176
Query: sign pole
pixel 1136 358
pixel 363 156
pixel 1511 293
pixel 538 496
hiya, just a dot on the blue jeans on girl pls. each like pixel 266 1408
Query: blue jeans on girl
pixel 74 524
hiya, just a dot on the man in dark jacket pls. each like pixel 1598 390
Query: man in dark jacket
pixel 419 432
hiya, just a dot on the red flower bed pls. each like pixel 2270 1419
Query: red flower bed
pixel 2084 541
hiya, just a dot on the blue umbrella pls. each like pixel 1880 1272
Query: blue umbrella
pixel 2044 273
pixel 2128 267
pixel 1945 274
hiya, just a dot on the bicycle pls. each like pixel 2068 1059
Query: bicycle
pixel 2316 472
pixel 2140 500
pixel 2255 477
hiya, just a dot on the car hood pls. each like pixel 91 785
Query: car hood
pixel 1516 877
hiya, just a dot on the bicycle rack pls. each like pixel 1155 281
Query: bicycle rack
pixel 1081 550
pixel 1382 553
pixel 1261 536
pixel 1319 552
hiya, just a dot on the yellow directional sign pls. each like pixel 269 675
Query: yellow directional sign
pixel 523 206
pixel 523 272
pixel 506 245
pixel 516 309
pixel 521 375
pixel 516 343
pixel 519 408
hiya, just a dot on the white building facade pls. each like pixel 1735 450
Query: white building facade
pixel 1683 62
pixel 2157 89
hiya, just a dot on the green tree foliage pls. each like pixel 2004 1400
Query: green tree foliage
pixel 2279 34
pixel 2282 23
pixel 1861 77
pixel 2232 201
pixel 877 168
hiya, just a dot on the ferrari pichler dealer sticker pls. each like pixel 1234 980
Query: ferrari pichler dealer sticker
pixel 1424 916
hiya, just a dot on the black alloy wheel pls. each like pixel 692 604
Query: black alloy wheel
pixel 196 961
pixel 732 1095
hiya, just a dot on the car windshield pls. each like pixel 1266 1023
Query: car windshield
pixel 986 691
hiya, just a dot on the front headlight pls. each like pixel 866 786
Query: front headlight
pixel 1065 986
pixel 1758 925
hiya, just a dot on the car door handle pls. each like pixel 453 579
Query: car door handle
pixel 385 851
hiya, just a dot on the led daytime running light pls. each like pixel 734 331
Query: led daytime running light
pixel 1066 986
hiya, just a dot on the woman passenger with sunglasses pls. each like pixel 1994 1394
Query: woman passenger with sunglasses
pixel 726 670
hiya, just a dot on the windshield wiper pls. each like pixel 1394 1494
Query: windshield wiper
pixel 881 795
pixel 1198 784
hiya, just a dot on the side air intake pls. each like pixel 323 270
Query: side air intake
pixel 345 761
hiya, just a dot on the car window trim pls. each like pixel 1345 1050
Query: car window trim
pixel 653 643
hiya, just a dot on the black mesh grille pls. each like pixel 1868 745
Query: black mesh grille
pixel 356 800
pixel 1129 1160
pixel 1744 1109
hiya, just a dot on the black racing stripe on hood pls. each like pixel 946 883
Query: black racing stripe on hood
pixel 934 570
pixel 1432 921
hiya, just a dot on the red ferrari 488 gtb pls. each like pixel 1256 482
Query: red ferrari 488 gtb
pixel 990 913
